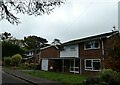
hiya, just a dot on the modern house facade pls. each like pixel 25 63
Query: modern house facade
pixel 82 56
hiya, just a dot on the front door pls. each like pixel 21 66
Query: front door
pixel 45 64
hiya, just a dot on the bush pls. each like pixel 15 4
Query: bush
pixel 110 77
pixel 16 59
pixel 92 81
pixel 7 61
pixel 106 77
pixel 24 65
pixel 31 66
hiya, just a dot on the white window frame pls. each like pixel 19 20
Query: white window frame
pixel 92 68
pixel 91 45
pixel 74 67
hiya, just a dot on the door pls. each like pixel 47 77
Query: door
pixel 45 64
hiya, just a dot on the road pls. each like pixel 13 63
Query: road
pixel 8 79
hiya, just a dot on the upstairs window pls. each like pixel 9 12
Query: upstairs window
pixel 92 45
pixel 72 48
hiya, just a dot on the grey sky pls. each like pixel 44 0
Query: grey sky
pixel 73 20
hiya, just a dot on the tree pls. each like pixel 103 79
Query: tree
pixel 16 59
pixel 9 49
pixel 5 36
pixel 30 7
pixel 56 42
pixel 10 45
pixel 113 59
pixel 33 42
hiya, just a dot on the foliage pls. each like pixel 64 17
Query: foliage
pixel 7 61
pixel 9 49
pixel 28 66
pixel 92 81
pixel 106 77
pixel 16 59
pixel 5 36
pixel 24 65
pixel 33 42
pixel 56 42
pixel 30 7
pixel 113 59
pixel 110 77
pixel 31 66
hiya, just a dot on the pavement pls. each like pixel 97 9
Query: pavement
pixel 31 79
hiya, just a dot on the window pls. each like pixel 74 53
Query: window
pixel 92 64
pixel 92 45
pixel 74 66
pixel 72 48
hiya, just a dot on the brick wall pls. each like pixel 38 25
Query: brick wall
pixel 50 52
pixel 91 53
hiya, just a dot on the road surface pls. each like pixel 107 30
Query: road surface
pixel 8 79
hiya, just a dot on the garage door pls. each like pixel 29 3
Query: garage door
pixel 45 64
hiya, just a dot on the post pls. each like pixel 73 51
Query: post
pixel 74 65
pixel 80 67
pixel 35 60
pixel 63 65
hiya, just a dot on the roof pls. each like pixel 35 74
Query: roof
pixel 49 47
pixel 104 35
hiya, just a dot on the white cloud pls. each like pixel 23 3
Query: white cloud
pixel 74 19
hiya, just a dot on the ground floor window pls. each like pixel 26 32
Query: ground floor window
pixel 92 64
pixel 74 65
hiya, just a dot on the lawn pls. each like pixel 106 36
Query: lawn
pixel 58 76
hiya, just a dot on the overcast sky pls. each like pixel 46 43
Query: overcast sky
pixel 73 20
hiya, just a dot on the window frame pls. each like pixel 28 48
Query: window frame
pixel 92 47
pixel 92 61
pixel 72 48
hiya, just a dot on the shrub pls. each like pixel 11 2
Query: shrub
pixel 7 61
pixel 31 66
pixel 106 77
pixel 110 77
pixel 24 65
pixel 16 59
pixel 92 81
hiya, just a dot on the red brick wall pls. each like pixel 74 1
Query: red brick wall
pixel 90 53
pixel 108 43
pixel 50 52
pixel 95 53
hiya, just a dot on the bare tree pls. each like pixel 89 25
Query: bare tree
pixel 8 8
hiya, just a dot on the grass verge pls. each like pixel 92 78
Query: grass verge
pixel 57 76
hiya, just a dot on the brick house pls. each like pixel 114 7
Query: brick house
pixel 82 56
pixel 86 55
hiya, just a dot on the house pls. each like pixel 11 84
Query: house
pixel 31 56
pixel 82 56
pixel 48 58
pixel 86 55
